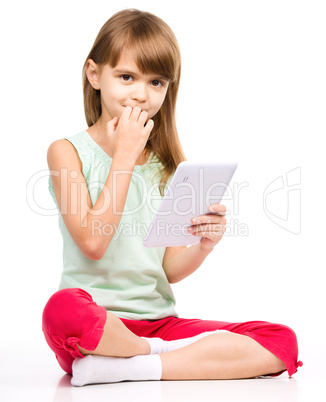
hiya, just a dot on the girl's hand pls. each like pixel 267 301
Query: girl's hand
pixel 128 136
pixel 210 227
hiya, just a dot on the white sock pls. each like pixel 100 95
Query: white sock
pixel 158 345
pixel 93 369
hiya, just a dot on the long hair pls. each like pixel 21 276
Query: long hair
pixel 156 51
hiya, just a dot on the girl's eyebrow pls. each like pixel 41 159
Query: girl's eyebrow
pixel 129 72
pixel 126 71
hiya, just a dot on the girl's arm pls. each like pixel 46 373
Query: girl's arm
pixel 127 137
pixel 183 261
pixel 82 220
pixel 180 262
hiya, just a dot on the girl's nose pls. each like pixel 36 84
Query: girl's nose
pixel 139 92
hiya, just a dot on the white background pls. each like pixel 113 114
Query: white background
pixel 252 90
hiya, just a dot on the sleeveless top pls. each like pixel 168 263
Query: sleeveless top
pixel 129 279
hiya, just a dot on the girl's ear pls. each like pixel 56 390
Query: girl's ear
pixel 92 72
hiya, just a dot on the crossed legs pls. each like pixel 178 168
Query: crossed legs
pixel 75 326
pixel 224 355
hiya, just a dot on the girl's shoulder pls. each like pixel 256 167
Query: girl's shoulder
pixel 71 152
pixel 60 151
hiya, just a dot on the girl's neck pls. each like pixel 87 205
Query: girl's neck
pixel 98 132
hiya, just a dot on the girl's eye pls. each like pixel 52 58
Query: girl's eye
pixel 125 76
pixel 157 82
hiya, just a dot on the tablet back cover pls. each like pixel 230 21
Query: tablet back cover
pixel 193 188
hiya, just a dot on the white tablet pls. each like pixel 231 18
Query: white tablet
pixel 193 188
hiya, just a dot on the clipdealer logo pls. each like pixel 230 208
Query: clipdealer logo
pixel 282 201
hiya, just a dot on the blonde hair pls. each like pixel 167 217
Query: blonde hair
pixel 156 50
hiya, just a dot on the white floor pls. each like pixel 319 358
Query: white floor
pixel 32 374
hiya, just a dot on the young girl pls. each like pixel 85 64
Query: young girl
pixel 114 317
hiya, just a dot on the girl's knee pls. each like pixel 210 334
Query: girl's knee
pixel 289 340
pixel 280 335
pixel 287 348
pixel 279 339
pixel 62 307
pixel 71 316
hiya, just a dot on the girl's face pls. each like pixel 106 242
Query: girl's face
pixel 124 85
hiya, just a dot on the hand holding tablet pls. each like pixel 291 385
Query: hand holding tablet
pixel 193 188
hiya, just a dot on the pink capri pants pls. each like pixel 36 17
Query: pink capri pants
pixel 71 316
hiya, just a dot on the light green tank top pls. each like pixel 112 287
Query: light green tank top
pixel 129 280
